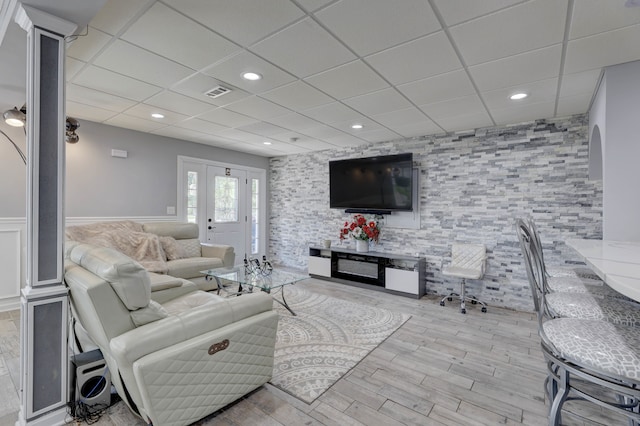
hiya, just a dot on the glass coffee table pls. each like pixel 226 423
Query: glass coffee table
pixel 276 279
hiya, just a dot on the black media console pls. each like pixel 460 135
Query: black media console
pixel 398 274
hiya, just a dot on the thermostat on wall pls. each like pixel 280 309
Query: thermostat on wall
pixel 119 153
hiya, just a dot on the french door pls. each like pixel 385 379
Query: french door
pixel 227 208
pixel 227 202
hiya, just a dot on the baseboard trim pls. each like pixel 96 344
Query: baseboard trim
pixel 10 304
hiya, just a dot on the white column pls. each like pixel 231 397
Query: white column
pixel 44 303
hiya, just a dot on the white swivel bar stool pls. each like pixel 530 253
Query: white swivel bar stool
pixel 467 262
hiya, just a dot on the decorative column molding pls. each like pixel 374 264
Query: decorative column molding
pixel 44 302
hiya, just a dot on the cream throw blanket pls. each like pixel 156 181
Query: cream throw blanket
pixel 125 236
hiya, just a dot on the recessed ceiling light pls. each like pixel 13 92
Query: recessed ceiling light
pixel 157 115
pixel 518 96
pixel 357 126
pixel 267 143
pixel 253 76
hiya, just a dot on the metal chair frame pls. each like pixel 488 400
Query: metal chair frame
pixel 568 379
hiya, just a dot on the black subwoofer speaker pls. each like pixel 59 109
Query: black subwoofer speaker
pixel 90 381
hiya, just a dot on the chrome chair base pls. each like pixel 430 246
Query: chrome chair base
pixel 463 298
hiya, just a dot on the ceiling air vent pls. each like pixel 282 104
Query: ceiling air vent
pixel 217 91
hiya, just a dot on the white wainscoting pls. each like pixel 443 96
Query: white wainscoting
pixel 13 252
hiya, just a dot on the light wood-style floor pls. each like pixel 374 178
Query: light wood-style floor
pixel 439 368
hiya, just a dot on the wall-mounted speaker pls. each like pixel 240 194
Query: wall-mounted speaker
pixel 90 381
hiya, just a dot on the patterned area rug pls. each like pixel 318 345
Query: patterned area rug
pixel 325 340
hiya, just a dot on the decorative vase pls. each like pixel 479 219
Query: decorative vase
pixel 362 246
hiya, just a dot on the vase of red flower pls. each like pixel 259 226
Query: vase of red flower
pixel 362 230
pixel 362 246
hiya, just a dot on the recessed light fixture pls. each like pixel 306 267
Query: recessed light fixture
pixel 157 115
pixel 357 126
pixel 267 143
pixel 253 76
pixel 518 96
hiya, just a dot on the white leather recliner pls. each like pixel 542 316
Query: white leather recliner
pixel 176 361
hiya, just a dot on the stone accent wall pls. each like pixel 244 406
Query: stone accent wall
pixel 472 187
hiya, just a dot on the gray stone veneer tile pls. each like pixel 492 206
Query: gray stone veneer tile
pixel 472 187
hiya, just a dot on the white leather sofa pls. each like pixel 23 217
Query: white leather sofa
pixel 170 250
pixel 176 359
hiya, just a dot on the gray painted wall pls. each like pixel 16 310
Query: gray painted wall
pixel 472 187
pixel 99 185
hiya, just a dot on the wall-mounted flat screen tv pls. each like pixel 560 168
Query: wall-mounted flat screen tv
pixel 372 183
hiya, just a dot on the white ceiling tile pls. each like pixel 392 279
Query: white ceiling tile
pixel 239 135
pixel 144 111
pixel 369 26
pixel 197 85
pixel 289 135
pixel 186 134
pixel 576 104
pixel 72 67
pixel 227 118
pixel 523 113
pixel 369 125
pixel 466 105
pixel 332 113
pixel 115 14
pixel 98 99
pixel 465 121
pixel 84 48
pixel 384 100
pixel 579 83
pixel 414 60
pixel 87 112
pixel 230 70
pixel 597 16
pixel 199 125
pixel 176 102
pixel 456 11
pixel 243 21
pixel 322 132
pixel 314 144
pixel 294 121
pixel 132 61
pixel 418 128
pixel 274 150
pixel 297 96
pixel 347 81
pixel 288 149
pixel 304 49
pixel 610 48
pixel 511 31
pixel 403 116
pixel 116 84
pixel 455 84
pixel 258 108
pixel 313 5
pixel 134 123
pixel 534 65
pixel 379 135
pixel 538 91
pixel 263 129
pixel 345 141
pixel 188 43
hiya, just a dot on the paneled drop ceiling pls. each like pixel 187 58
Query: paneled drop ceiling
pixel 400 68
